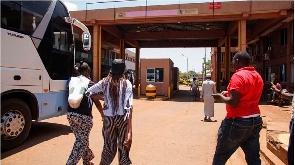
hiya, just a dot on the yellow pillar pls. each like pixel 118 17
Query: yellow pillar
pixel 96 53
pixel 122 49
pixel 218 67
pixel 242 35
pixel 137 55
pixel 227 58
pixel 138 91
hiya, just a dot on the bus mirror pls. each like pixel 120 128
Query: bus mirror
pixel 86 40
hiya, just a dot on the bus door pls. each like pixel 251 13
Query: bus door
pixel 60 70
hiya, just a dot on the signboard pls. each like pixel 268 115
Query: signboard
pixel 215 5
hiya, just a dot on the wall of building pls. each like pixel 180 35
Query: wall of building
pixel 270 55
pixel 233 50
pixel 130 60
pixel 161 87
pixel 275 57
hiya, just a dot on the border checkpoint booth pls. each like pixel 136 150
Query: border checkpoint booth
pixel 159 76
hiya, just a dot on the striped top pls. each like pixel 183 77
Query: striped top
pixel 125 95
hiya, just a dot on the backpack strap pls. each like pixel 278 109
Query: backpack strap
pixel 195 83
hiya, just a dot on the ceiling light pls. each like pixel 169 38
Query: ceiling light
pixel 138 29
pixel 207 27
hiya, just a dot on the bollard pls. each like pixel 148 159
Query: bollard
pixel 150 91
pixel 168 92
pixel 138 90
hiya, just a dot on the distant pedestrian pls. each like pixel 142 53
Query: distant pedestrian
pixel 129 75
pixel 242 124
pixel 117 122
pixel 208 88
pixel 80 120
pixel 195 89
pixel 286 95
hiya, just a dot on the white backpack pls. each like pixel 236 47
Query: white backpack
pixel 77 88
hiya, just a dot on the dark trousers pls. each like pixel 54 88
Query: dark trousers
pixel 235 133
pixel 291 144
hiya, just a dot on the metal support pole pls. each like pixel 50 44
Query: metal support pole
pixel 204 67
pixel 186 67
pixel 205 62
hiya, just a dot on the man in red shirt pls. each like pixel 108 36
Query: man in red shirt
pixel 242 124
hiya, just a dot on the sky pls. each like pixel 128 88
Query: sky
pixel 190 59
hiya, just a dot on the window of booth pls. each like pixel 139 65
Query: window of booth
pixel 155 75
pixel 150 75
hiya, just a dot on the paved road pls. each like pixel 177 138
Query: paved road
pixel 164 133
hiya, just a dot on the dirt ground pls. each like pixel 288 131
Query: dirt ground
pixel 164 133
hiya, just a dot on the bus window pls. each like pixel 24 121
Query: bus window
pixel 60 40
pixel 56 38
pixel 63 41
pixel 30 20
pixel 10 15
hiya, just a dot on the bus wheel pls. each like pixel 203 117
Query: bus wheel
pixel 16 123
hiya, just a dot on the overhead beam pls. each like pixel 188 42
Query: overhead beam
pixel 175 35
pixel 177 44
pixel 232 27
pixel 113 30
pixel 260 26
pixel 221 42
pixel 133 43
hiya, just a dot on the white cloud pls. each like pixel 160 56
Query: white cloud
pixel 71 6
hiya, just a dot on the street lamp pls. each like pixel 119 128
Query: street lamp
pixel 186 66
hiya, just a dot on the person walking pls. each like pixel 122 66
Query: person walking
pixel 117 121
pixel 195 89
pixel 80 120
pixel 242 124
pixel 286 95
pixel 208 88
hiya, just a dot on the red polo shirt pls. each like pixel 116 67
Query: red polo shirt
pixel 249 84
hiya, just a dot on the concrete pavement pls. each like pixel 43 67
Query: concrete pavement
pixel 274 136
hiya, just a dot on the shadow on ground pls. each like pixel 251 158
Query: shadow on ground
pixel 40 132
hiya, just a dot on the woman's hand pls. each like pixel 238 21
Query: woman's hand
pixel 128 141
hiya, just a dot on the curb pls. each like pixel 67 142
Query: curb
pixel 265 152
pixel 153 99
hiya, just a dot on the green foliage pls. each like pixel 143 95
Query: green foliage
pixel 200 82
pixel 184 82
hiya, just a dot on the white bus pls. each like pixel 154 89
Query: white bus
pixel 37 59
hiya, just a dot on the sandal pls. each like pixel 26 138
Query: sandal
pixel 209 120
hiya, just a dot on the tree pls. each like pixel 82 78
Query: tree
pixel 208 67
pixel 192 73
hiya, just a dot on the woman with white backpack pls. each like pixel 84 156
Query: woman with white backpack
pixel 117 114
pixel 80 116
